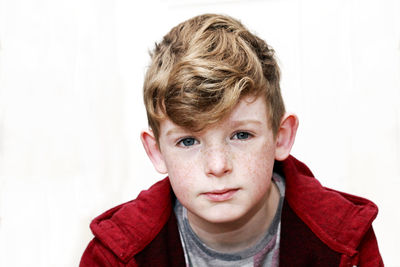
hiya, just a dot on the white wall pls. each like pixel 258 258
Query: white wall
pixel 71 74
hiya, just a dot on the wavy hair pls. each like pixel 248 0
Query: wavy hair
pixel 202 68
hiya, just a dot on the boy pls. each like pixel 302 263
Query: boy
pixel 234 196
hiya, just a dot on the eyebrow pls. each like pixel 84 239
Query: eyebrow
pixel 175 130
pixel 244 122
pixel 234 123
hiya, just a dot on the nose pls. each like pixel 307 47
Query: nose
pixel 217 162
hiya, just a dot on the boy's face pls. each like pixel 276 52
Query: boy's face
pixel 223 173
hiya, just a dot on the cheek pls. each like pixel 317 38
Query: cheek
pixel 181 174
pixel 260 165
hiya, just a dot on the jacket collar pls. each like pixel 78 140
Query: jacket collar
pixel 340 220
pixel 128 228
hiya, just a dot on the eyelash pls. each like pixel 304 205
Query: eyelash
pixel 181 141
pixel 248 135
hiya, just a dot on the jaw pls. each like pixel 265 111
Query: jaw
pixel 238 234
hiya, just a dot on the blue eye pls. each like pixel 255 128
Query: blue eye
pixel 188 141
pixel 242 135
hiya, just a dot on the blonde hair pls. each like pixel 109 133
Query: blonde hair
pixel 202 68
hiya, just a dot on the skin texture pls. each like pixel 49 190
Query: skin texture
pixel 222 175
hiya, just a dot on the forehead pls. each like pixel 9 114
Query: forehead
pixel 249 110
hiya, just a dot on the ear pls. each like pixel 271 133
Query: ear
pixel 285 136
pixel 153 151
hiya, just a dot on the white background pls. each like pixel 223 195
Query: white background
pixel 71 111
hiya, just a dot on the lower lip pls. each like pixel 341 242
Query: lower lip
pixel 219 197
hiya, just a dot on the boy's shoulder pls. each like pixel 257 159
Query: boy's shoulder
pixel 128 228
pixel 339 219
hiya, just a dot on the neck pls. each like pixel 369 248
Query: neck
pixel 240 234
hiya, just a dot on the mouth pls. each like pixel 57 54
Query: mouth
pixel 221 195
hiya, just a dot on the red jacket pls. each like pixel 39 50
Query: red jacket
pixel 319 227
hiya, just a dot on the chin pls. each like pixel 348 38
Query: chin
pixel 223 216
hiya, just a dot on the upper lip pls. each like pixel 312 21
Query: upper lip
pixel 221 191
